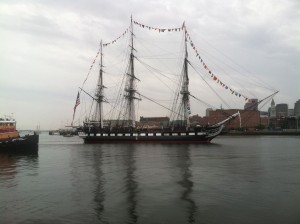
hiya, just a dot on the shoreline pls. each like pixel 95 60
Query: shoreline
pixel 236 133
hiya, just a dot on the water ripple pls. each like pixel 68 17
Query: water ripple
pixel 237 180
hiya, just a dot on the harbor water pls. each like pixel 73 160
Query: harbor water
pixel 248 179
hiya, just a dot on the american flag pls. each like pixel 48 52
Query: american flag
pixel 77 101
pixel 76 104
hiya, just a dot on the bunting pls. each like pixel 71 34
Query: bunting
pixel 115 40
pixel 160 30
pixel 91 67
pixel 178 29
pixel 212 75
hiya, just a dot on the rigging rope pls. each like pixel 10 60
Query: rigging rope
pixel 213 76
pixel 210 86
pixel 90 69
pixel 120 103
pixel 149 69
pixel 115 40
pixel 158 104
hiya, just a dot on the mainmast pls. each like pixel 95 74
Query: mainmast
pixel 99 95
pixel 185 101
pixel 130 88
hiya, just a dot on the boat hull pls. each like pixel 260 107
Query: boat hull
pixel 26 144
pixel 152 140
pixel 169 138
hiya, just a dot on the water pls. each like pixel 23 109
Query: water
pixel 234 180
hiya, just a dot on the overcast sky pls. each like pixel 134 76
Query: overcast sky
pixel 47 47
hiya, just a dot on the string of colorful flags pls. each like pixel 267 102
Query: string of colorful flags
pixel 91 68
pixel 115 40
pixel 158 29
pixel 212 75
pixel 143 26
pixel 178 29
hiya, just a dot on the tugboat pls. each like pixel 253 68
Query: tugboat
pixel 12 142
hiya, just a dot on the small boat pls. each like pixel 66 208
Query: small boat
pixel 54 133
pixel 12 142
pixel 68 135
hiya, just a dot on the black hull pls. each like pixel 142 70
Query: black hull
pixel 197 136
pixel 170 138
pixel 22 145
pixel 152 140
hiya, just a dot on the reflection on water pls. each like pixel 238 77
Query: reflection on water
pixel 117 176
pixel 184 164
pixel 114 188
pixel 17 173
pixel 99 191
pixel 7 170
pixel 130 182
pixel 240 180
pixel 11 165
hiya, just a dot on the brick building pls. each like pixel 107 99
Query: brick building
pixel 252 104
pixel 249 119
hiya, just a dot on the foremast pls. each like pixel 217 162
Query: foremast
pixel 130 87
pixel 97 117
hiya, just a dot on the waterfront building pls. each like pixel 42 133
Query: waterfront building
pixel 207 111
pixel 252 104
pixel 272 110
pixel 249 119
pixel 297 108
pixel 291 112
pixel 281 110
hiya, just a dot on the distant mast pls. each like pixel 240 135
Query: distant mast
pixel 185 101
pixel 130 88
pixel 99 95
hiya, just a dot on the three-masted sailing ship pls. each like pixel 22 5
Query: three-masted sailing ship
pixel 124 129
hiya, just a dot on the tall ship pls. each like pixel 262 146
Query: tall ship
pixel 12 142
pixel 121 126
